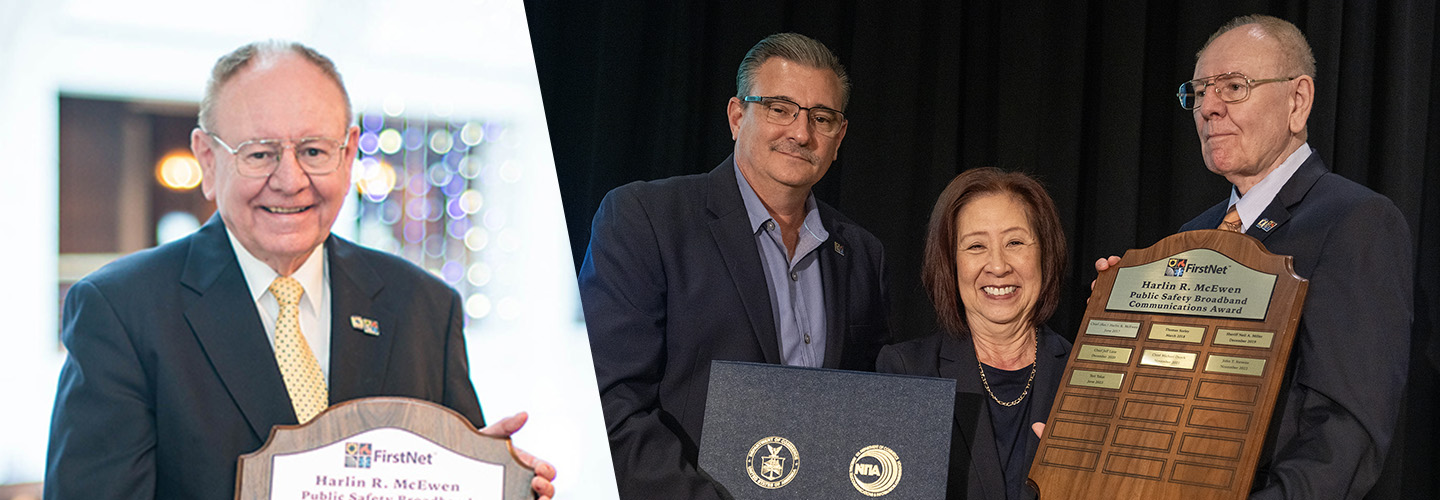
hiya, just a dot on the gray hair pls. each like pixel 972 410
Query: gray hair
pixel 1294 49
pixel 230 64
pixel 791 47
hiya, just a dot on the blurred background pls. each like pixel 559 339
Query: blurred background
pixel 455 174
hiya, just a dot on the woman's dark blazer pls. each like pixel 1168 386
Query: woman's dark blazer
pixel 974 463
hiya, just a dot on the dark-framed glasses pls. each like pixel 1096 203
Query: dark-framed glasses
pixel 259 157
pixel 1229 87
pixel 782 111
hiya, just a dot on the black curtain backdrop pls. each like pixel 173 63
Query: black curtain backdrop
pixel 1080 94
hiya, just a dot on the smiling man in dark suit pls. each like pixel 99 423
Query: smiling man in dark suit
pixel 1251 97
pixel 741 263
pixel 183 357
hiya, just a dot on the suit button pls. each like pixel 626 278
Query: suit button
pixel 794 276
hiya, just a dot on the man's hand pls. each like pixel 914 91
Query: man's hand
pixel 1103 264
pixel 544 472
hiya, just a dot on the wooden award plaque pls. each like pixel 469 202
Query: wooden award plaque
pixel 1175 373
pixel 383 448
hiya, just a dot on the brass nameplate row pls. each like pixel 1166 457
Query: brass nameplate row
pixel 1183 360
pixel 1174 374
pixel 1199 282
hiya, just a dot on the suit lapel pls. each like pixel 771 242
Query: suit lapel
pixel 223 317
pixel 731 229
pixel 835 282
pixel 1294 190
pixel 358 361
pixel 972 414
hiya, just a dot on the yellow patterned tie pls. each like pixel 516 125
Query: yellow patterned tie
pixel 303 379
pixel 1231 222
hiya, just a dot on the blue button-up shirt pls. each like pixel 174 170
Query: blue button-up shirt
pixel 797 297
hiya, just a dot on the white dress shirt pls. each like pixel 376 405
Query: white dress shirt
pixel 314 277
pixel 1262 193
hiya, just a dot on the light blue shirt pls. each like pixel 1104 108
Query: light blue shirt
pixel 797 297
pixel 1262 193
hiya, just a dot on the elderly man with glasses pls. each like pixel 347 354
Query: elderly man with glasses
pixel 741 263
pixel 183 357
pixel 1252 93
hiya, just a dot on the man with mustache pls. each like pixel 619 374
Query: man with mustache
pixel 1251 97
pixel 741 263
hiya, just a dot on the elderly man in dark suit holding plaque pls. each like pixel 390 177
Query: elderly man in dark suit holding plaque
pixel 183 357
pixel 742 263
pixel 1252 93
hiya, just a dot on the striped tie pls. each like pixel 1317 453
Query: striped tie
pixel 303 379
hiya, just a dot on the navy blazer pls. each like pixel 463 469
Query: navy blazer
pixel 975 471
pixel 170 375
pixel 1341 393
pixel 671 281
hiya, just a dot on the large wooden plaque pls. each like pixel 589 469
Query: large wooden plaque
pixel 1176 368
pixel 383 448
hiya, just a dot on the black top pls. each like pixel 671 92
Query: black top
pixel 1010 425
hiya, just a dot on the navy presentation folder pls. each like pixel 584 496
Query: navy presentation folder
pixel 774 432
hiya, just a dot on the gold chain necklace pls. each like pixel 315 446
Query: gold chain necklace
pixel 1033 364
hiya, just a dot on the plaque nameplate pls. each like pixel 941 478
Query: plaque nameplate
pixel 1168 359
pixel 1199 282
pixel 394 460
pixel 1105 354
pixel 1243 338
pixel 1177 333
pixel 1124 329
pixel 1177 367
pixel 1235 365
pixel 1101 380
pixel 383 447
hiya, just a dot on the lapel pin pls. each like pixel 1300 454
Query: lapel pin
pixel 1266 224
pixel 840 249
pixel 369 326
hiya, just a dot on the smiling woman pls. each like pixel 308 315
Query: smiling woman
pixel 994 255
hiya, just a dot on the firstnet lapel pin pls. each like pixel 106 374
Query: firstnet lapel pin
pixel 369 326
pixel 1266 224
pixel 840 249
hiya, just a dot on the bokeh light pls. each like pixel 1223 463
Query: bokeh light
pixel 479 274
pixel 477 306
pixel 376 179
pixel 440 142
pixel 390 141
pixel 472 133
pixel 178 171
pixel 175 225
pixel 477 238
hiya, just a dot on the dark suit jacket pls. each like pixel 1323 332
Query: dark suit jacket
pixel 671 281
pixel 1347 371
pixel 975 471
pixel 170 377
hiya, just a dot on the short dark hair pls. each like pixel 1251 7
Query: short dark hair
pixel 939 270
pixel 230 64
pixel 791 47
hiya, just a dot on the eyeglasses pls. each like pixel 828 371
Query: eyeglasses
pixel 259 157
pixel 782 111
pixel 1229 87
